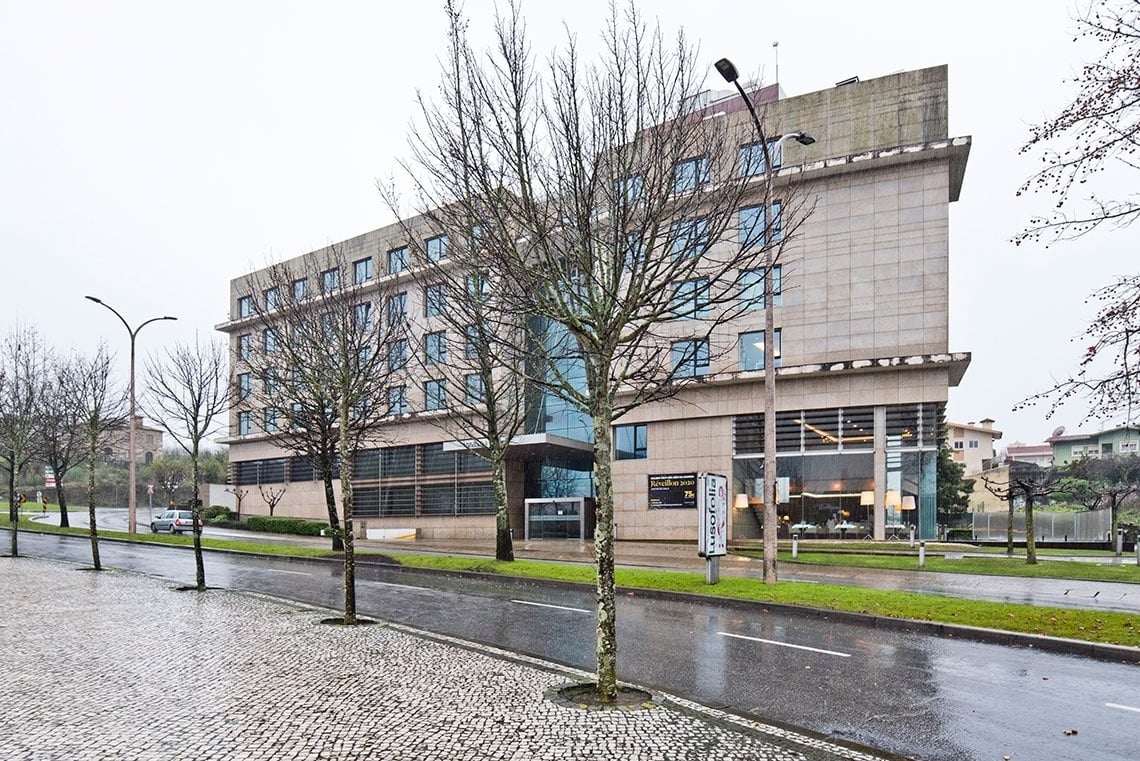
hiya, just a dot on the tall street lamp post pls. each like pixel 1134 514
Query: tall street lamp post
pixel 771 495
pixel 131 497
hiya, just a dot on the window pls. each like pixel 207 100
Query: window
pixel 973 443
pixel 435 300
pixel 752 287
pixel 435 348
pixel 478 286
pixel 690 237
pixel 397 260
pixel 397 400
pixel 471 342
pixel 397 355
pixel 301 289
pixel 690 174
pixel 272 298
pixel 752 158
pixel 476 390
pixel 756 230
pixel 634 250
pixel 752 350
pixel 398 308
pixel 269 339
pixel 362 270
pixel 245 385
pixel 271 381
pixel 630 442
pixel 691 298
pixel 245 306
pixel 270 420
pixel 437 248
pixel 297 419
pixel 245 347
pixel 959 445
pixel 628 190
pixel 1128 446
pixel 362 316
pixel 435 395
pixel 330 280
pixel 245 423
pixel 1078 451
pixel 691 358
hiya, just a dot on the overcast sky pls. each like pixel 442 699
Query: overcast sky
pixel 151 151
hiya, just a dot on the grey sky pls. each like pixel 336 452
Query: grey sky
pixel 152 151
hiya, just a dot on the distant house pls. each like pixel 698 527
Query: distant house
pixel 972 444
pixel 148 444
pixel 1037 454
pixel 1121 440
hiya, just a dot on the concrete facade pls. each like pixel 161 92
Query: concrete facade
pixel 863 314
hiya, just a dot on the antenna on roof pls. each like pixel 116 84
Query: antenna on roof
pixel 1058 431
pixel 776 51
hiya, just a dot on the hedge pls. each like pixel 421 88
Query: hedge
pixel 280 525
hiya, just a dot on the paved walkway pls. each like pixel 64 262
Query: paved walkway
pixel 113 665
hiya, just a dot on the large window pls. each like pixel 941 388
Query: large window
pixel 435 347
pixel 300 288
pixel 691 358
pixel 245 347
pixel 269 337
pixel 245 423
pixel 397 355
pixel 330 280
pixel 245 385
pixel 690 174
pixel 437 248
pixel 397 308
pixel 272 298
pixel 628 190
pixel 362 316
pixel 758 229
pixel 631 442
pixel 270 419
pixel 397 400
pixel 752 350
pixel 397 260
pixel 690 237
pixel 435 395
pixel 435 300
pixel 245 306
pixel 471 343
pixel 752 158
pixel 476 391
pixel 692 298
pixel 752 287
pixel 362 270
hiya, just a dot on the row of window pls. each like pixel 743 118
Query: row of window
pixel 959 444
pixel 397 462
pixel 690 357
pixel 841 429
pixel 362 272
pixel 693 173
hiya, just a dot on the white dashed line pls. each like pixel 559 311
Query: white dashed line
pixel 1123 708
pixel 785 644
pixel 556 607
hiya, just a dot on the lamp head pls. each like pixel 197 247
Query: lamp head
pixel 803 138
pixel 92 298
pixel 727 70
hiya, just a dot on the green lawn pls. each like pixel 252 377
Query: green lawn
pixel 1091 626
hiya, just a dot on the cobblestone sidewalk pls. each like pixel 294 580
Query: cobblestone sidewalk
pixel 113 665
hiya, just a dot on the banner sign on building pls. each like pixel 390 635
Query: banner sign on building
pixel 673 491
pixel 712 511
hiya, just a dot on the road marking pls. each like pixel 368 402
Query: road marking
pixel 785 644
pixel 556 607
pixel 1123 708
pixel 296 573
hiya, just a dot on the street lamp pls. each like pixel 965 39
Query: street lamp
pixel 131 498
pixel 771 495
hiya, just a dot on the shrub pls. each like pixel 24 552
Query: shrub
pixel 280 525
pixel 213 512
pixel 960 535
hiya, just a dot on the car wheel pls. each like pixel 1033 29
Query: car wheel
pixel 174 530
pixel 153 529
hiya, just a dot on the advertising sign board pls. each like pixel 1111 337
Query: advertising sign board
pixel 712 509
pixel 678 490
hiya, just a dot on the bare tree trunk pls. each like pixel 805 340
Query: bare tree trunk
pixel 334 521
pixel 606 646
pixel 13 505
pixel 1009 525
pixel 346 465
pixel 1030 541
pixel 195 517
pixel 91 530
pixel 504 542
pixel 64 521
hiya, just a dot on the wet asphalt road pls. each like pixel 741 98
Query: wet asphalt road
pixel 906 693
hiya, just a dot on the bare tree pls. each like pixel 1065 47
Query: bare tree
pixel 23 363
pixel 239 495
pixel 1106 481
pixel 602 200
pixel 1097 132
pixel 103 409
pixel 63 442
pixel 318 378
pixel 187 394
pixel 1032 484
pixel 271 495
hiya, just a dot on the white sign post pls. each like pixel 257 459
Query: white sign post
pixel 712 511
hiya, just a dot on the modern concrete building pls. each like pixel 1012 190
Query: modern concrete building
pixel 972 444
pixel 862 310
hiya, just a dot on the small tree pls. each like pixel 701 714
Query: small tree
pixel 63 441
pixel 953 489
pixel 1031 483
pixel 104 411
pixel 240 494
pixel 168 473
pixel 23 363
pixel 187 395
pixel 271 495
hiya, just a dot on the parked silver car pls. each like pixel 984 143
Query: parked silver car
pixel 174 521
